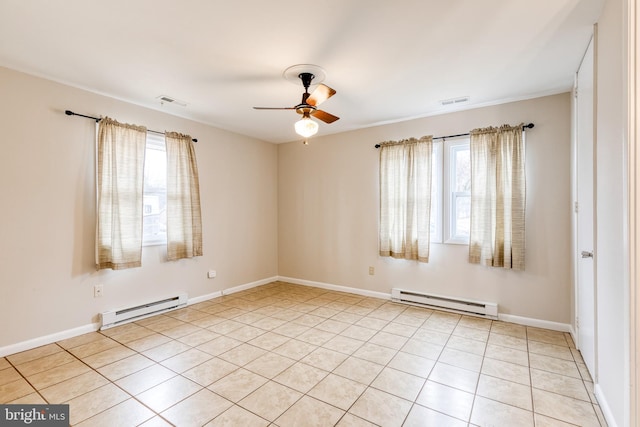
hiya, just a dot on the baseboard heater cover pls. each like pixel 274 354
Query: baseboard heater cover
pixel 458 305
pixel 109 319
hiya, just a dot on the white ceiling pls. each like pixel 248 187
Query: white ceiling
pixel 388 60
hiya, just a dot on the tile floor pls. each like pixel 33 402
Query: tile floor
pixel 289 355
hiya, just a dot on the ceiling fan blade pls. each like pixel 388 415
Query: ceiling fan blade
pixel 324 116
pixel 274 108
pixel 320 94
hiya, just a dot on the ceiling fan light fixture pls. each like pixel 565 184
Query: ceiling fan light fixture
pixel 306 127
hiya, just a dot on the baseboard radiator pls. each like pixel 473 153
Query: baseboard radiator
pixel 118 317
pixel 457 305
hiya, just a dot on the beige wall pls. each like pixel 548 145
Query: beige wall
pixel 47 211
pixel 328 214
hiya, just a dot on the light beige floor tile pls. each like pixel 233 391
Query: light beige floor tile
pixel 269 365
pixel 423 348
pixel 121 329
pixel 106 357
pixel 561 384
pixel 29 399
pixel 389 340
pixel 181 331
pixel 507 354
pixel 269 323
pixel 295 349
pixel 337 391
pixel 372 323
pixel 126 366
pixel 92 403
pixel 197 409
pixel 507 341
pixel 300 377
pixel 551 350
pixel 398 383
pixel 33 354
pixel 555 365
pixel 80 340
pixel 450 401
pixel 419 416
pixel 359 370
pixel 471 333
pixel 45 363
pixel 467 345
pixel 439 325
pixel 290 330
pixel 546 336
pixel 381 408
pixel 219 345
pixel 148 342
pixel 237 416
pixel 208 321
pixel 168 393
pixel 350 420
pixel 564 408
pixel 310 412
pixel 238 384
pixel 401 329
pixel 242 354
pixel 4 363
pixel 358 332
pixel 455 377
pixel 309 320
pixel 476 322
pixel 186 360
pixel 14 390
pixel 347 317
pixel 410 319
pixel 271 340
pixel 128 413
pixel 56 375
pixel 506 371
pixel 488 413
pixel 9 375
pixel 461 359
pixel 543 421
pixel 132 335
pixel 145 379
pixel 156 422
pixel 225 327
pixel 506 392
pixel 315 336
pixel 210 371
pixel 286 315
pixel 270 400
pixel 73 387
pixel 343 344
pixel 412 364
pixel 375 353
pixel 199 337
pixel 246 333
pixel 431 336
pixel 332 326
pixel 600 415
pixel 517 331
pixel 324 358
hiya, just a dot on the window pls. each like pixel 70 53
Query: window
pixel 154 224
pixel 451 191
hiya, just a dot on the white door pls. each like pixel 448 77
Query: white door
pixel 586 291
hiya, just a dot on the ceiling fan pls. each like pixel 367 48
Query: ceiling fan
pixel 308 106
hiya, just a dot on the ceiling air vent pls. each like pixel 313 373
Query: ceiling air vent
pixel 455 101
pixel 169 100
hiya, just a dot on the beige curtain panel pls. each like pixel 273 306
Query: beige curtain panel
pixel 497 197
pixel 184 221
pixel 405 198
pixel 120 152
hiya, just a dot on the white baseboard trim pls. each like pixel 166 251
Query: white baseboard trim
pixel 536 323
pixel 338 288
pixel 48 339
pixel 604 406
pixel 203 298
pixel 249 285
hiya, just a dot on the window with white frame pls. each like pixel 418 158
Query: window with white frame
pixel 451 191
pixel 154 224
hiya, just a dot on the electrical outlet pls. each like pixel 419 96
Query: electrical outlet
pixel 97 291
pixel 371 271
pixel 211 274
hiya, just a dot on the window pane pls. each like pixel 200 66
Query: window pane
pixel 463 169
pixel 463 215
pixel 154 228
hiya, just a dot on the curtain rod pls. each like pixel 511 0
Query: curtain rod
pixel 97 119
pixel 529 126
